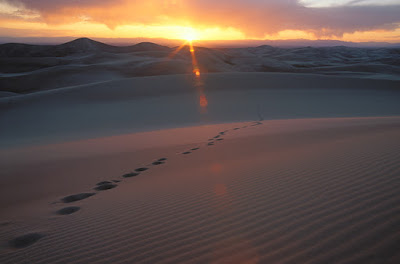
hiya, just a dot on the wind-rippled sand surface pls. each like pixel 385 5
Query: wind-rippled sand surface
pixel 285 191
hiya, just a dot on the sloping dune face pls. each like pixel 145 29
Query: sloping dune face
pixel 29 68
pixel 151 103
pixel 294 191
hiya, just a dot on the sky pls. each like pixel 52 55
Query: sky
pixel 347 20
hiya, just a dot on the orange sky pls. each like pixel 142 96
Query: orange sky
pixel 202 20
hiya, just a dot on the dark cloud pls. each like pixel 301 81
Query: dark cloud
pixel 259 17
pixel 253 17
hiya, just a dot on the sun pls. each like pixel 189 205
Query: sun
pixel 189 34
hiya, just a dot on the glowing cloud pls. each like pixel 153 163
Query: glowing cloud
pixel 206 19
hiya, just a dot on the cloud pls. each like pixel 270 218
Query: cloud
pixel 331 3
pixel 255 18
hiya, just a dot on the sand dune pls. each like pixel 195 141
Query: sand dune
pixel 232 202
pixel 145 104
pixel 268 155
pixel 30 68
pixel 81 45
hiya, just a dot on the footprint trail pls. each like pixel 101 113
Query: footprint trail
pixel 31 238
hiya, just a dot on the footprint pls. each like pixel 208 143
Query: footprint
pixel 162 159
pixel 104 187
pixel 104 182
pixel 221 133
pixel 116 181
pixel 68 210
pixel 236 128
pixel 195 148
pixel 244 127
pixel 211 139
pixel 25 240
pixel 141 169
pixel 5 224
pixel 211 144
pixel 131 174
pixel 217 136
pixel 76 197
pixel 187 152
pixel 256 124
pixel 158 162
pixel 220 139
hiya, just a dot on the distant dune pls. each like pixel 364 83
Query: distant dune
pixel 29 68
pixel 81 45
pixel 287 43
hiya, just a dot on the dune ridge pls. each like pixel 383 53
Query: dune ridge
pixel 173 101
pixel 31 68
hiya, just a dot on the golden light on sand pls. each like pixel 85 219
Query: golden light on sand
pixel 197 82
pixel 203 101
pixel 220 189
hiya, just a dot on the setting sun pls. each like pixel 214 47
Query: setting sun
pixel 190 34
pixel 202 20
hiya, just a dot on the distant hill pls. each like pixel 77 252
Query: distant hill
pixel 210 44
pixel 77 46
pixel 297 43
pixel 29 68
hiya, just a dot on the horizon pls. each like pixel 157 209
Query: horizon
pixel 287 43
pixel 204 21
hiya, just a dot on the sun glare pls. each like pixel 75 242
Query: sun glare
pixel 190 34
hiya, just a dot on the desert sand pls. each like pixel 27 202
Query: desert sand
pixel 306 190
pixel 141 104
pixel 229 167
pixel 30 68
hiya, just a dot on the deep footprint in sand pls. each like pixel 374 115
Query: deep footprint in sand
pixel 68 210
pixel 195 149
pixel 141 169
pixel 162 159
pixel 105 186
pixel 76 197
pixel 187 152
pixel 217 136
pixel 256 124
pixel 158 163
pixel 5 223
pixel 131 174
pixel 104 182
pixel 236 128
pixel 25 240
pixel 210 144
pixel 220 139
